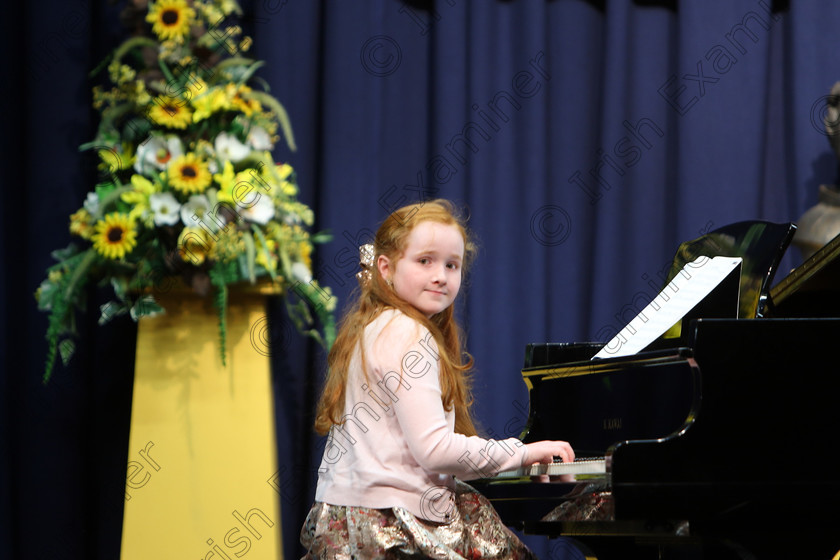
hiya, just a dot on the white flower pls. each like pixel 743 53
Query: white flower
pixel 155 153
pixel 259 139
pixel 165 208
pixel 260 211
pixel 92 203
pixel 301 273
pixel 228 147
pixel 197 211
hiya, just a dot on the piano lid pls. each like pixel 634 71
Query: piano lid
pixel 810 290
pixel 760 244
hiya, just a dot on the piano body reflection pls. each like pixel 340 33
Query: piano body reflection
pixel 721 442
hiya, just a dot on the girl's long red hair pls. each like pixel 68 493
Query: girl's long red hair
pixel 375 296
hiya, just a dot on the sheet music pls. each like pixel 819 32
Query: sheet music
pixel 688 288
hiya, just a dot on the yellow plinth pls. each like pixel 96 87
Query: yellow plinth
pixel 202 445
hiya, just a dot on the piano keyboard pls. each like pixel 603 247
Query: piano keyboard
pixel 586 465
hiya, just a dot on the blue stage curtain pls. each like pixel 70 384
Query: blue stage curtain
pixel 586 139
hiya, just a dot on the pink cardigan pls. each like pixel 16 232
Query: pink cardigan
pixel 397 446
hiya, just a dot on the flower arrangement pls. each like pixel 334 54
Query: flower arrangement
pixel 188 188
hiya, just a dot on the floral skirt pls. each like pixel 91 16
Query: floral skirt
pixel 357 533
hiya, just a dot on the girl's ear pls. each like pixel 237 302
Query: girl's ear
pixel 383 264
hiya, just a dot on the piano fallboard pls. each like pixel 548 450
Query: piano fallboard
pixel 588 399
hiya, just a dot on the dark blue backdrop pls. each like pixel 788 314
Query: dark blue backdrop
pixel 586 139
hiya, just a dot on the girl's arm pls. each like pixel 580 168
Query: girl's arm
pixel 405 347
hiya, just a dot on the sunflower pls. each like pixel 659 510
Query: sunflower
pixel 188 174
pixel 115 235
pixel 239 99
pixel 171 19
pixel 167 113
pixel 194 245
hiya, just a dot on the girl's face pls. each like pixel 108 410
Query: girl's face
pixel 428 275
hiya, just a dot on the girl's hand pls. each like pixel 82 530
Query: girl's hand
pixel 546 451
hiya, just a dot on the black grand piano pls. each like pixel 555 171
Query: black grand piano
pixel 718 442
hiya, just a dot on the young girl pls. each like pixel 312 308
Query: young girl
pixel 396 407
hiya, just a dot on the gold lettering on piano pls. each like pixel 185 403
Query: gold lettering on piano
pixel 612 423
